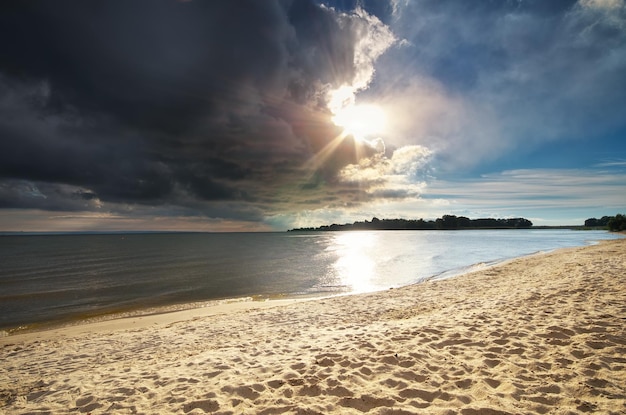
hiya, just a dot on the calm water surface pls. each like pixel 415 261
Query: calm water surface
pixel 60 278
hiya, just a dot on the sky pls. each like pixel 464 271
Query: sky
pixel 265 115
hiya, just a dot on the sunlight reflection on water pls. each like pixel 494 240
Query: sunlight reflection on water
pixel 355 266
pixel 366 261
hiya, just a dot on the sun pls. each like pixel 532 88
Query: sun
pixel 361 121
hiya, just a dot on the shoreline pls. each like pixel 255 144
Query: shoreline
pixel 139 313
pixel 136 315
pixel 538 334
pixel 159 316
pixel 143 317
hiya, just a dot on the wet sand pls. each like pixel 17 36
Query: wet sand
pixel 541 334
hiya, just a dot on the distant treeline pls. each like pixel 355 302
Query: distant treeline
pixel 613 223
pixel 444 223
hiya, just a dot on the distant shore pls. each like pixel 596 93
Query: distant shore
pixel 527 336
pixel 446 222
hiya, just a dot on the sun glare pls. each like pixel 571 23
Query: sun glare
pixel 361 120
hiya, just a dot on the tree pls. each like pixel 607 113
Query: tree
pixel 617 223
pixel 450 222
pixel 519 223
pixel 464 222
pixel 613 223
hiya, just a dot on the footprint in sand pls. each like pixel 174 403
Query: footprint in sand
pixel 427 396
pixel 246 392
pixel 366 403
pixel 207 405
pixel 87 404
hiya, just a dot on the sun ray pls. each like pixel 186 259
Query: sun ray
pixel 321 156
pixel 360 123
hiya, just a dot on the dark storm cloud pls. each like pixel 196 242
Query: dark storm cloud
pixel 164 102
pixel 157 64
pixel 45 196
pixel 66 147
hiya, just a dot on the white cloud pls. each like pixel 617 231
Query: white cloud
pixel 402 175
pixel 612 163
pixel 373 38
pixel 545 196
pixel 531 189
pixel 602 4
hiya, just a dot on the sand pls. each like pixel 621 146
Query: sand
pixel 541 334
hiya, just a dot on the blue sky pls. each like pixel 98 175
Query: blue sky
pixel 224 116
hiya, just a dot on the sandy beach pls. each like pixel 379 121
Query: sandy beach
pixel 544 334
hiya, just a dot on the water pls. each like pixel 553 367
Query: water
pixel 60 278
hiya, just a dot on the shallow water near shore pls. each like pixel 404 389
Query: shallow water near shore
pixel 55 279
